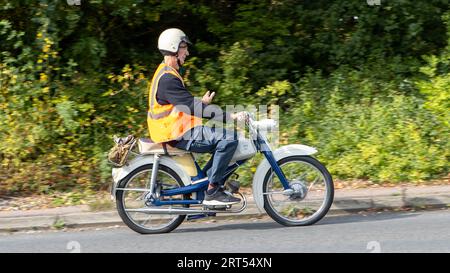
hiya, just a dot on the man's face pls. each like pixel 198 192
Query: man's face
pixel 183 52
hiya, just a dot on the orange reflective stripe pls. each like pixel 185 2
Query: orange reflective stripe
pixel 156 78
pixel 164 121
pixel 153 89
pixel 159 115
pixel 175 73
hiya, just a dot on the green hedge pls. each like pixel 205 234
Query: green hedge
pixel 371 92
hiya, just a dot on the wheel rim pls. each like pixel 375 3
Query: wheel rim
pixel 136 199
pixel 300 206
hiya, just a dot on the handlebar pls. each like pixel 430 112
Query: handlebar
pixel 264 124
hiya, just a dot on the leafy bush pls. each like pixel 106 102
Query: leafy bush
pixel 55 122
pixel 381 138
pixel 350 79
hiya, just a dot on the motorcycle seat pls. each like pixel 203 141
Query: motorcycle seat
pixel 147 146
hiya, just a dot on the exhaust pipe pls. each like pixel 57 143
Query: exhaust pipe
pixel 182 211
pixel 172 211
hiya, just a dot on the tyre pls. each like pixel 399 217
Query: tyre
pixel 139 179
pixel 311 195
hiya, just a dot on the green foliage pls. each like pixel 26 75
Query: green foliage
pixel 277 93
pixel 436 87
pixel 59 224
pixel 437 91
pixel 230 80
pixel 55 122
pixel 350 79
pixel 384 138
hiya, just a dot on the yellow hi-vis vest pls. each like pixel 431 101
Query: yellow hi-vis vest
pixel 165 123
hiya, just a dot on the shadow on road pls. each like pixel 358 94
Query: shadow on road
pixel 350 205
pixel 267 223
pixel 368 217
pixel 264 224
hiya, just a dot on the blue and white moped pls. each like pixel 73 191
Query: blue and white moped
pixel 160 186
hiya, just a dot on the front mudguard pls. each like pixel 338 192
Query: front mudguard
pixel 264 166
pixel 120 173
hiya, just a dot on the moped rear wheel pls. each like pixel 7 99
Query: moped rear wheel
pixel 135 197
pixel 309 198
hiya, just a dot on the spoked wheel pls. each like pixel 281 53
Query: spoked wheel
pixel 309 198
pixel 135 197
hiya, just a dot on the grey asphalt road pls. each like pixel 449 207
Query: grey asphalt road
pixel 426 231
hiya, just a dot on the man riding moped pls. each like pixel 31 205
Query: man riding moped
pixel 172 119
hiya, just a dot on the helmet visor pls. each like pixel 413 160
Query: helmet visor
pixel 186 40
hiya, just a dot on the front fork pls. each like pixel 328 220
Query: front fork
pixel 151 194
pixel 273 163
pixel 267 152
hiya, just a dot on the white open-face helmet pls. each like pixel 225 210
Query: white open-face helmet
pixel 170 39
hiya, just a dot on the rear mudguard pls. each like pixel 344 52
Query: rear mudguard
pixel 141 160
pixel 264 166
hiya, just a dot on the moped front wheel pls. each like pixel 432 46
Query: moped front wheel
pixel 133 197
pixel 310 195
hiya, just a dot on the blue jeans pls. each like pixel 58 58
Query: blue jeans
pixel 217 141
